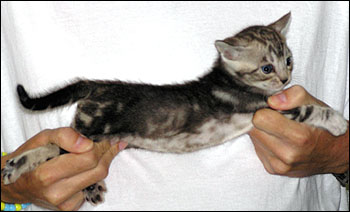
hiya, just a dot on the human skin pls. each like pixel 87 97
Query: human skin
pixel 293 149
pixel 58 183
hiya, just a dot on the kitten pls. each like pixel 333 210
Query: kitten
pixel 217 107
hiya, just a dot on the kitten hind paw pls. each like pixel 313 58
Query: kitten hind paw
pixel 94 194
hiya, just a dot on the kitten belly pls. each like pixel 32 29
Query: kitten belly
pixel 210 133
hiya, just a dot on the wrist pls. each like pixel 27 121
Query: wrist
pixel 341 146
pixel 336 155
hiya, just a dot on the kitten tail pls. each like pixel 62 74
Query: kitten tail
pixel 66 95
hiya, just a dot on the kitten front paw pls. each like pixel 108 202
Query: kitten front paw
pixel 13 169
pixel 336 123
pixel 94 194
pixel 27 161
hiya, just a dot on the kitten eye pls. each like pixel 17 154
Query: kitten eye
pixel 289 61
pixel 267 69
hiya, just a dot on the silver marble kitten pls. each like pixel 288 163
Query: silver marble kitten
pixel 219 106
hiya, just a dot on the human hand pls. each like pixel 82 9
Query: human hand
pixel 294 149
pixel 58 183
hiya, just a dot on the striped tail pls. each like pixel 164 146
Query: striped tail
pixel 66 95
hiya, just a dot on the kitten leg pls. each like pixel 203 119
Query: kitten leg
pixel 27 162
pixel 31 159
pixel 318 116
pixel 94 194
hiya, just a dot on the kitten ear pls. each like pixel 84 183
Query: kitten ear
pixel 281 25
pixel 228 51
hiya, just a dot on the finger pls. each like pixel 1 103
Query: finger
pixel 261 152
pixel 68 165
pixel 278 166
pixel 291 98
pixel 255 137
pixel 111 153
pixel 70 140
pixel 37 140
pixel 272 163
pixel 101 170
pixel 274 147
pixel 63 189
pixel 73 203
pixel 274 123
pixel 66 137
pixel 64 166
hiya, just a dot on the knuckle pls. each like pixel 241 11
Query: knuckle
pixel 64 133
pixel 53 197
pixel 268 168
pixel 300 90
pixel 260 116
pixel 46 131
pixel 102 172
pixel 44 134
pixel 44 177
pixel 301 138
pixel 282 170
pixel 279 167
pixel 60 133
pixel 290 158
pixel 70 205
pixel 270 171
pixel 90 160
pixel 65 207
pixel 300 93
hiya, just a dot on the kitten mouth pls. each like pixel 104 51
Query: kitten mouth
pixel 278 89
pixel 281 87
pixel 284 84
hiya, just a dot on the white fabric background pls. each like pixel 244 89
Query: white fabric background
pixel 46 44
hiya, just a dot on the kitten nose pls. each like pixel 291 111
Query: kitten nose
pixel 284 80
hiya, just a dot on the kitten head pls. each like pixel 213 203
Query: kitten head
pixel 259 56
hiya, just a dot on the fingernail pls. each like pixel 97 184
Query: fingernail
pixel 83 144
pixel 122 145
pixel 278 99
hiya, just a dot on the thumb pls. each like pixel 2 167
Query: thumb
pixel 111 153
pixel 290 98
pixel 116 148
pixel 70 140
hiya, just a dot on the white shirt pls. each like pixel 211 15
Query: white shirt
pixel 44 45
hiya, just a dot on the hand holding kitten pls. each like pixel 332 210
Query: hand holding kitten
pixel 294 149
pixel 58 183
